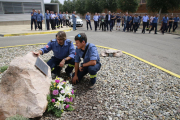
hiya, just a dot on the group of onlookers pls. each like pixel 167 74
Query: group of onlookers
pixel 56 20
pixel 131 22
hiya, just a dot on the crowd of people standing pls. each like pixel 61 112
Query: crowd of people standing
pixel 131 23
pixel 53 19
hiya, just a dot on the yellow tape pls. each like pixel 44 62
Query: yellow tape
pixel 145 61
pixel 35 33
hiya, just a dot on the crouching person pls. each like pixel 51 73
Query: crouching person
pixel 91 61
pixel 64 53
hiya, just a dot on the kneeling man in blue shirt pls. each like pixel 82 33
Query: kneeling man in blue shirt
pixel 64 53
pixel 88 53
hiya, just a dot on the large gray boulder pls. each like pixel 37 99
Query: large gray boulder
pixel 24 89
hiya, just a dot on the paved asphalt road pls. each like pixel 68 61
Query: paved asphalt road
pixel 162 50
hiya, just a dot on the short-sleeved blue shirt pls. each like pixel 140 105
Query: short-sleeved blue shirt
pixel 91 54
pixel 129 18
pixel 176 19
pixel 73 18
pixel 47 16
pixel 155 20
pixel 165 19
pixel 60 52
pixel 34 15
pixel 39 17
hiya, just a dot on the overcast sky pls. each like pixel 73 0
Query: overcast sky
pixel 48 1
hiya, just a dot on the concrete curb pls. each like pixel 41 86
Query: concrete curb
pixel 145 61
pixel 34 33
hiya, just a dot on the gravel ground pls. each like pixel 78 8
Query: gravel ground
pixel 126 89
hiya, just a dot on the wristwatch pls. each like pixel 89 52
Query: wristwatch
pixel 81 64
pixel 65 59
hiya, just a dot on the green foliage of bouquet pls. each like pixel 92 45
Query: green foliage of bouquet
pixel 61 97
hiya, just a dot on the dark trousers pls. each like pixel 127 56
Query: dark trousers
pixel 128 25
pixel 154 25
pixel 144 25
pixel 54 65
pixel 64 22
pixel 132 26
pixel 88 22
pixel 60 22
pixel 67 22
pixel 103 25
pixel 39 25
pixel 175 25
pixel 53 24
pixel 98 22
pixel 164 27
pixel 135 26
pixel 56 23
pixel 33 21
pixel 47 24
pixel 109 23
pixel 95 23
pixel 92 70
pixel 169 27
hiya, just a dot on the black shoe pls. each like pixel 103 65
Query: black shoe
pixel 92 86
pixel 155 33
pixel 150 31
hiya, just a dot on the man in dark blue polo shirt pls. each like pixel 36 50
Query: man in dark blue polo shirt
pixel 33 19
pixel 175 25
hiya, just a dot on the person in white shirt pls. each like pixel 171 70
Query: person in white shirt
pixel 53 16
pixel 151 19
pixel 67 19
pixel 145 20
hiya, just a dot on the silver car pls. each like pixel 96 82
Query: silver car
pixel 79 21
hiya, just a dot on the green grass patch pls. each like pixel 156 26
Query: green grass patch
pixel 17 117
pixel 3 68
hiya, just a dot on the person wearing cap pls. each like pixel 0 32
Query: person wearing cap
pixel 165 21
pixel 136 22
pixel 154 24
pixel 64 53
pixel 47 16
pixel 87 54
pixel 39 19
pixel 33 19
pixel 145 20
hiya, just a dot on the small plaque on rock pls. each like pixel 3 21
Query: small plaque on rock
pixel 41 66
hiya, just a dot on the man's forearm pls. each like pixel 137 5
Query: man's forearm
pixel 76 68
pixel 68 58
pixel 40 52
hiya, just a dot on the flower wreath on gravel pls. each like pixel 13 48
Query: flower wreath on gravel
pixel 60 97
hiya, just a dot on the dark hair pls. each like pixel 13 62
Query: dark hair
pixel 81 37
pixel 61 34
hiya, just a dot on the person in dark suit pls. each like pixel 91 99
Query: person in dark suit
pixel 108 20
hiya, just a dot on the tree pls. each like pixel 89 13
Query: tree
pixel 81 6
pixel 128 5
pixel 69 6
pixel 111 5
pixel 162 5
pixel 95 6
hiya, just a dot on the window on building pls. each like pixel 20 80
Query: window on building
pixel 29 6
pixel 1 8
pixel 12 7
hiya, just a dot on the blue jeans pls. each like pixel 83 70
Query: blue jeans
pixel 92 70
pixel 124 27
pixel 74 25
pixel 54 65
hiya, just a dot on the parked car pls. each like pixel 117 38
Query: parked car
pixel 79 21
